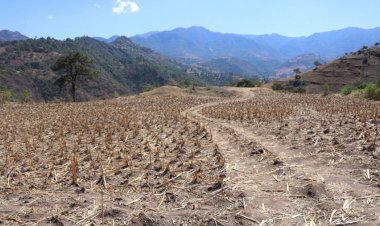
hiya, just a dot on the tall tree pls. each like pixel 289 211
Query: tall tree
pixel 73 68
pixel 297 77
pixel 297 73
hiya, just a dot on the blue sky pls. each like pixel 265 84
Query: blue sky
pixel 72 18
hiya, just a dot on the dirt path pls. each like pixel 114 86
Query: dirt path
pixel 283 185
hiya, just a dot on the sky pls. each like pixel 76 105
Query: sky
pixel 104 18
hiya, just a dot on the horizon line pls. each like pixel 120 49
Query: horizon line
pixel 193 26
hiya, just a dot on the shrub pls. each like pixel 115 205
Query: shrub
pixel 116 94
pixel 361 86
pixel 258 83
pixel 299 90
pixel 372 91
pixel 245 83
pixel 7 94
pixel 347 89
pixel 25 95
pixel 277 86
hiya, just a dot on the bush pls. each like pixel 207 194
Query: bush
pixel 25 95
pixel 7 94
pixel 245 83
pixel 277 86
pixel 347 89
pixel 372 91
pixel 296 83
pixel 258 83
pixel 361 86
pixel 299 90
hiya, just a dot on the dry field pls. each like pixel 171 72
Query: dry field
pixel 219 156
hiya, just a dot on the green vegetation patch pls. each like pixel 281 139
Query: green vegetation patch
pixel 248 83
pixel 369 90
pixel 295 85
pixel 6 95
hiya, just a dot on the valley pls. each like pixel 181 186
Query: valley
pixel 269 55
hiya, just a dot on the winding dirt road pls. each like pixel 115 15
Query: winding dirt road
pixel 283 185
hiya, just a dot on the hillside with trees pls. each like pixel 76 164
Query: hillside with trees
pixel 122 68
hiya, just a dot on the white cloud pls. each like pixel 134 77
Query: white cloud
pixel 50 17
pixel 97 6
pixel 125 5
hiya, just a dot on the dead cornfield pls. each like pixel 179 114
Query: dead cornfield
pixel 126 161
pixel 212 156
pixel 348 124
pixel 324 151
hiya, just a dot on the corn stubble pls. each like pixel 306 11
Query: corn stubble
pixel 121 158
pixel 118 149
pixel 332 141
pixel 302 116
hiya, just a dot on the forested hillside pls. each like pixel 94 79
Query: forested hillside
pixel 123 67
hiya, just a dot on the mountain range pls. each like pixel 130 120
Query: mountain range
pixel 270 55
pixel 267 55
pixel 182 56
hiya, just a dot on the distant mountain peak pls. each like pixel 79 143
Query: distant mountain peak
pixel 193 29
pixel 198 28
pixel 7 35
pixel 123 40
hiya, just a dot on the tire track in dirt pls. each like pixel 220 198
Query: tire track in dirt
pixel 285 186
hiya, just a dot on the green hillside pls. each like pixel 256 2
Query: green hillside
pixel 123 68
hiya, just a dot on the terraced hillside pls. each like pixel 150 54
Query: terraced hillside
pixel 362 66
